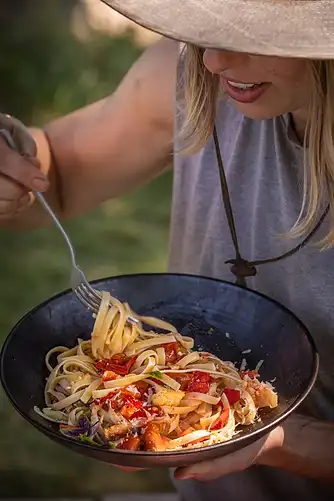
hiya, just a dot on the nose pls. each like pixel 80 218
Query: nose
pixel 217 61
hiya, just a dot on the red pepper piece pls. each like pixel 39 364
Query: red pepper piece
pixel 232 395
pixel 221 421
pixel 130 363
pixel 103 400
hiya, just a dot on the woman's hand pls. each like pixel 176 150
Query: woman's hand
pixel 19 175
pixel 238 461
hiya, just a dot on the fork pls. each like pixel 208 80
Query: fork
pixel 87 295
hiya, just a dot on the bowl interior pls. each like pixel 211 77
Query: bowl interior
pixel 222 318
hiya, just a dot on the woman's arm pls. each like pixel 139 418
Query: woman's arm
pixel 102 150
pixel 307 448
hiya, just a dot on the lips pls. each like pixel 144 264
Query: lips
pixel 244 92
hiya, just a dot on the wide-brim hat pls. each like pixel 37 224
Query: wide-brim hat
pixel 290 28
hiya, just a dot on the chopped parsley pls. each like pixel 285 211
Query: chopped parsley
pixel 156 374
pixel 86 440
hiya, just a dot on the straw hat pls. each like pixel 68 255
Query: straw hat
pixel 296 28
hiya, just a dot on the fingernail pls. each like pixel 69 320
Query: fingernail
pixel 185 477
pixel 40 184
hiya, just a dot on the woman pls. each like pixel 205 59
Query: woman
pixel 274 132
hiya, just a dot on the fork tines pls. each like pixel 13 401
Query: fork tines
pixel 89 297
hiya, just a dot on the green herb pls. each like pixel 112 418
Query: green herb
pixel 112 445
pixel 156 374
pixel 86 440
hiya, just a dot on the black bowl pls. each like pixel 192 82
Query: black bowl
pixel 203 308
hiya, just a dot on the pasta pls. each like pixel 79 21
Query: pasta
pixel 135 389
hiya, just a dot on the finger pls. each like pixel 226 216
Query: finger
pixel 210 470
pixel 9 207
pixel 128 469
pixel 21 136
pixel 21 169
pixel 11 190
pixel 231 463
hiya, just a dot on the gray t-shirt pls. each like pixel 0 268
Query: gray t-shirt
pixel 264 168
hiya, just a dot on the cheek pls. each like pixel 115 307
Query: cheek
pixel 292 79
pixel 292 72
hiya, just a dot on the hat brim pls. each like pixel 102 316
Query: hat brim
pixel 270 27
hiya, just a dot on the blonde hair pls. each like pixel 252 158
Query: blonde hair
pixel 201 91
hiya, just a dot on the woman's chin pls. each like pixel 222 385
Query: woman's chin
pixel 255 111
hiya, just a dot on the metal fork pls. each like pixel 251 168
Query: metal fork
pixel 89 297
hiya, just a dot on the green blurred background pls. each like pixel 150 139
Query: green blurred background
pixel 45 71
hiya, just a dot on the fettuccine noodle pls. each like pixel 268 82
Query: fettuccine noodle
pixel 136 389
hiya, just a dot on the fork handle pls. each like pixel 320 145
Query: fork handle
pixel 47 207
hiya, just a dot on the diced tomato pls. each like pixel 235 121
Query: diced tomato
pixel 182 379
pixel 200 382
pixel 130 444
pixel 120 364
pixel 142 388
pixel 130 400
pixel 232 395
pixel 221 421
pixel 153 438
pixel 131 405
pixel 133 394
pixel 250 374
pixel 103 400
pixel 140 414
pixel 109 376
pixel 171 352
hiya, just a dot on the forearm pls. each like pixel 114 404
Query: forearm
pixel 105 149
pixel 307 448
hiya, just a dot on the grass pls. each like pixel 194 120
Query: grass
pixel 126 235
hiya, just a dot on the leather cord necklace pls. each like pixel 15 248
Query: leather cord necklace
pixel 240 267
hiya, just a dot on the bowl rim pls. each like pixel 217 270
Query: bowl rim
pixel 257 434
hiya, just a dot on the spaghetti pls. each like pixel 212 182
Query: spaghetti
pixel 135 389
